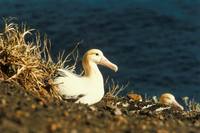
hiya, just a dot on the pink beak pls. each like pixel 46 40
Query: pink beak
pixel 105 62
pixel 176 104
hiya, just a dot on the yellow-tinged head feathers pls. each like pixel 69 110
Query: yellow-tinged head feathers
pixel 169 99
pixel 96 56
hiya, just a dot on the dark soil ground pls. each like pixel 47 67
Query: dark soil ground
pixel 20 112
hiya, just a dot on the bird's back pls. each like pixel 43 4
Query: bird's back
pixel 68 82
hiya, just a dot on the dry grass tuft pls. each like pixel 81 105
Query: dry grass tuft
pixel 114 88
pixel 191 105
pixel 25 59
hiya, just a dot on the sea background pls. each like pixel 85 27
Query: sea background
pixel 155 43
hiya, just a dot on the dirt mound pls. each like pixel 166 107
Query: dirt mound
pixel 20 111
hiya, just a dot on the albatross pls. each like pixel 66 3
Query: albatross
pixel 89 88
pixel 169 99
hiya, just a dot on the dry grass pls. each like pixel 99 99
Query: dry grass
pixel 191 104
pixel 28 62
pixel 114 88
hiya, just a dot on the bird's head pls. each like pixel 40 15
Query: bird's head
pixel 169 99
pixel 96 56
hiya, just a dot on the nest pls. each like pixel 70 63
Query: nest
pixel 25 59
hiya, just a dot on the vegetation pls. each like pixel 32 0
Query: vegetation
pixel 25 59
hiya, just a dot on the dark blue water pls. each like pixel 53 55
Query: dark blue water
pixel 155 43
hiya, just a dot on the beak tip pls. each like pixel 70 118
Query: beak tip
pixel 105 62
pixel 116 69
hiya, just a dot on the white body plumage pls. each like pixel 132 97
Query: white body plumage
pixel 89 88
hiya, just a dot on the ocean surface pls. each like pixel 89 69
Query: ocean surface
pixel 155 43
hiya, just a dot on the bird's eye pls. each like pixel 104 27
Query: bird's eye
pixel 97 54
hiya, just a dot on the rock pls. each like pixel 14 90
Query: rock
pixel 162 131
pixel 74 131
pixel 117 111
pixel 33 106
pixel 143 127
pixel 66 113
pixel 92 108
pixel 135 97
pixel 54 127
pixel 125 105
pixel 161 117
pixel 20 113
pixel 3 102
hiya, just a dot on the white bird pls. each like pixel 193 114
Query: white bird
pixel 169 99
pixel 89 88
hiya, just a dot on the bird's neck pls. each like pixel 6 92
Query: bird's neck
pixel 91 70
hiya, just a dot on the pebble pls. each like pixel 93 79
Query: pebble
pixel 3 101
pixel 55 126
pixel 33 106
pixel 117 111
pixel 180 123
pixel 133 111
pixel 143 127
pixel 66 113
pixel 125 105
pixel 135 97
pixel 161 117
pixel 20 113
pixel 162 131
pixel 74 131
pixel 92 108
